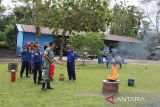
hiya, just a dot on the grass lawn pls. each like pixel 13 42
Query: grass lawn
pixel 84 92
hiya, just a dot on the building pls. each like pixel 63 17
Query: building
pixel 27 33
pixel 125 45
pixel 117 38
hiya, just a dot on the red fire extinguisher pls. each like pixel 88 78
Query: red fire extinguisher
pixel 51 73
pixel 13 75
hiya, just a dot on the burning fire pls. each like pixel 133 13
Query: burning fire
pixel 114 75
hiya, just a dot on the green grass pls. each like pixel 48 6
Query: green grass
pixel 84 92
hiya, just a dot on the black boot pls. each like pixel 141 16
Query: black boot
pixel 27 76
pixel 39 82
pixel 49 86
pixel 43 87
pixel 20 75
pixel 35 81
pixel 51 79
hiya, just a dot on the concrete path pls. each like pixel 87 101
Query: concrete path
pixel 94 61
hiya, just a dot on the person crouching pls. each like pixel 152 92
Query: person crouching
pixel 37 60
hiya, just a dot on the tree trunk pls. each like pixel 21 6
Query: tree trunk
pixel 62 44
pixel 84 60
pixel 36 38
pixel 37 33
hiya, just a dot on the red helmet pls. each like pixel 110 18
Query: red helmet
pixel 32 44
pixel 38 46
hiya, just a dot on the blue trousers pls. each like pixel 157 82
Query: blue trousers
pixel 71 70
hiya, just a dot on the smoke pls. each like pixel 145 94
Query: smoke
pixel 130 50
pixel 135 50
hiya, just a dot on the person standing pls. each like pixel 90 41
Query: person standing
pixel 107 61
pixel 48 58
pixel 31 66
pixel 71 56
pixel 119 60
pixel 37 60
pixel 25 59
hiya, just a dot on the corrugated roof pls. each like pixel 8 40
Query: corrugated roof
pixel 32 29
pixel 122 39
pixel 44 30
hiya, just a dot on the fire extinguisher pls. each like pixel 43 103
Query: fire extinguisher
pixel 51 73
pixel 13 75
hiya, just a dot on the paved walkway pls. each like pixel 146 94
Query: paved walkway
pixel 94 61
pixel 79 61
pixel 132 61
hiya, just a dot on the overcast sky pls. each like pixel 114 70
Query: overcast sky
pixel 9 4
pixel 130 2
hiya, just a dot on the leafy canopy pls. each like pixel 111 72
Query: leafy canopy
pixel 80 15
pixel 125 19
pixel 90 42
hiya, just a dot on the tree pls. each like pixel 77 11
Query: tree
pixel 125 19
pixel 90 42
pixel 2 9
pixel 69 15
pixel 9 35
pixel 30 13
pixel 79 15
pixel 33 12
pixel 153 15
pixel 7 24
pixel 7 29
pixel 23 15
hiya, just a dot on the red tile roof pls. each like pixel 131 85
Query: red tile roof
pixel 122 39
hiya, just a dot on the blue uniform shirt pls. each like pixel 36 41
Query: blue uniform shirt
pixel 37 57
pixel 110 58
pixel 32 56
pixel 25 56
pixel 71 55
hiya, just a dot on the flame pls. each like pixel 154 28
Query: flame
pixel 114 75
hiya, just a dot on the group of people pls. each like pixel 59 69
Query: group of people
pixel 110 59
pixel 36 62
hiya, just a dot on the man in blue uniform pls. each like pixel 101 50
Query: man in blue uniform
pixel 31 65
pixel 25 59
pixel 71 56
pixel 37 60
